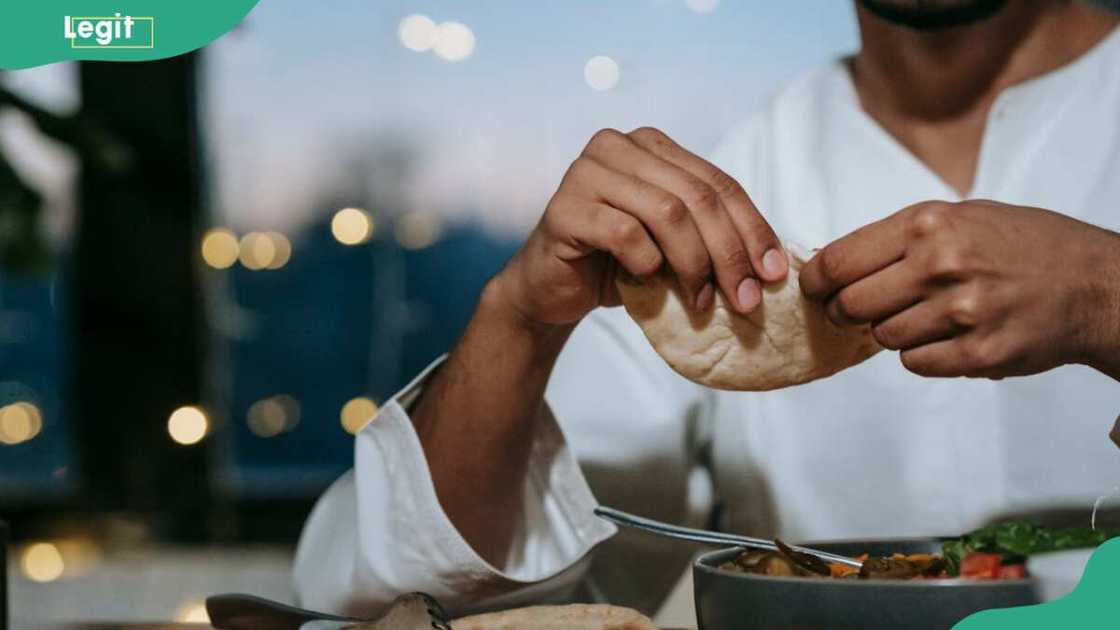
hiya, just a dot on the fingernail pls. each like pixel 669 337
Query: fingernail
pixel 705 297
pixel 749 294
pixel 774 263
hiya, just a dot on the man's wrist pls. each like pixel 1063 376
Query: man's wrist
pixel 497 310
pixel 1103 352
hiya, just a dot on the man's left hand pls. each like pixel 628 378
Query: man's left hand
pixel 977 288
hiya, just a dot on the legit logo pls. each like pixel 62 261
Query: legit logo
pixel 110 32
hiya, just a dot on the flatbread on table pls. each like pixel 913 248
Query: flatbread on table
pixel 570 617
pixel 786 341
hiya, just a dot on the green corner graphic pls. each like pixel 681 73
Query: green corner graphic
pixel 46 31
pixel 1091 605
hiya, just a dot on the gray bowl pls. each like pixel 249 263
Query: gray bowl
pixel 727 600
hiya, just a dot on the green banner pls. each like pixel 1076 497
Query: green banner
pixel 45 31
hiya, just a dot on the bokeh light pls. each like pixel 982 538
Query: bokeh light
pixel 187 425
pixel 220 248
pixel 352 226
pixel 601 73
pixel 258 251
pixel 79 555
pixel 192 611
pixel 281 248
pixel 454 41
pixel 266 418
pixel 274 415
pixel 357 413
pixel 19 422
pixel 702 6
pixel 417 230
pixel 417 32
pixel 42 562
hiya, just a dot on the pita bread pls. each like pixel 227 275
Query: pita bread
pixel 571 617
pixel 786 341
pixel 412 611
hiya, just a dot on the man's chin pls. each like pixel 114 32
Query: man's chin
pixel 925 15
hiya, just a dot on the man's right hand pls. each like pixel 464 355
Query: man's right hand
pixel 633 201
pixel 636 201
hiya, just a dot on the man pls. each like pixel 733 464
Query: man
pixel 464 485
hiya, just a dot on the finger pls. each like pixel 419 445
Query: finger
pixel 608 292
pixel 663 214
pixel 861 253
pixel 937 359
pixel 730 260
pixel 766 255
pixel 923 323
pixel 876 297
pixel 968 354
pixel 597 226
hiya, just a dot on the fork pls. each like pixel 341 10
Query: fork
pixel 626 519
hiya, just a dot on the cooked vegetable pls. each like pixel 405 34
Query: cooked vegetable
pixel 1013 541
pixel 788 563
pixel 981 566
pixel 805 561
pixel 1013 571
pixel 996 552
pixel 764 563
pixel 888 569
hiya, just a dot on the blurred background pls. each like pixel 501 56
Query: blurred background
pixel 213 268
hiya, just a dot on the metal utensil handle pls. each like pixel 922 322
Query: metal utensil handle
pixel 702 535
pixel 236 611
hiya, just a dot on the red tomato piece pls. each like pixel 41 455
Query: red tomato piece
pixel 981 566
pixel 1013 572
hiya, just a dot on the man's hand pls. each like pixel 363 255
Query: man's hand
pixel 634 201
pixel 977 288
pixel 638 200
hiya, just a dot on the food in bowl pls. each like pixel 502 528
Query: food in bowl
pixel 896 567
pixel 744 601
pixel 995 552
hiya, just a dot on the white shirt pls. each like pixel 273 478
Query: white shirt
pixel 872 451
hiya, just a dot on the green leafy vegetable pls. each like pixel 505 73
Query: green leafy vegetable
pixel 1015 540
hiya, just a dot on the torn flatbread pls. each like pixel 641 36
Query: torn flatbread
pixel 786 341
pixel 570 617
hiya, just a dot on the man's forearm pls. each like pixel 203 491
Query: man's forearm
pixel 476 419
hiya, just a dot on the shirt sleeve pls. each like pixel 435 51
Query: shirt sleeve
pixel 379 531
